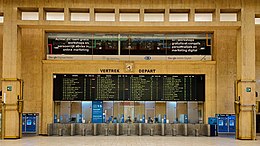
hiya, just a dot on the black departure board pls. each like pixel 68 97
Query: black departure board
pixel 130 87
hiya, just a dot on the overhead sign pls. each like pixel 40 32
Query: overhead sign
pixel 102 46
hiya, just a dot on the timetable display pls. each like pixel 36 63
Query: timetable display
pixel 129 87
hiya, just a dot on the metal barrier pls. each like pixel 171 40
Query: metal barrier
pixel 163 131
pixel 185 130
pixel 174 132
pixel 49 129
pixel 117 129
pixel 106 131
pixel 60 132
pixel 151 132
pixel 72 129
pixel 128 131
pixel 94 129
pixel 83 132
pixel 140 129
pixel 196 132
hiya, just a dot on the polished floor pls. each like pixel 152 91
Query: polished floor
pixel 129 141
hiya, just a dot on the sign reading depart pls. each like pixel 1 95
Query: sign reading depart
pixel 130 87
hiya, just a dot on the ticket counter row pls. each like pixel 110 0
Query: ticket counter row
pixel 128 111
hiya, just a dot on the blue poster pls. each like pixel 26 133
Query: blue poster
pixel 97 111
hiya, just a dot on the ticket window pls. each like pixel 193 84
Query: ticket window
pixel 201 112
pixel 118 116
pixel 160 111
pixel 193 113
pixel 129 111
pixel 57 112
pixel 76 112
pixel 139 112
pixel 107 111
pixel 149 111
pixel 171 111
pixel 65 109
pixel 86 111
pixel 182 112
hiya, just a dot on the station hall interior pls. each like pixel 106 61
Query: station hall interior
pixel 181 71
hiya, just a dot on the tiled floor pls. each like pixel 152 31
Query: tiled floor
pixel 129 141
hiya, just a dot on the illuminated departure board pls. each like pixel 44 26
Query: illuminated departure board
pixel 119 87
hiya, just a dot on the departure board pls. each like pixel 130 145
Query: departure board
pixel 119 87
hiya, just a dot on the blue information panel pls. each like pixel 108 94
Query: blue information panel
pixel 232 123
pixel 29 123
pixel 222 123
pixel 226 123
pixel 97 111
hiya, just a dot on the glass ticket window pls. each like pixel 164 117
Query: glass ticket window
pixel 139 112
pixel 182 112
pixel 57 112
pixel 65 109
pixel 107 111
pixel 171 111
pixel 201 112
pixel 129 111
pixel 160 110
pixel 86 111
pixel 149 111
pixel 76 112
pixel 193 113
pixel 118 112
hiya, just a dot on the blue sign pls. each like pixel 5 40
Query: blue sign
pixel 97 111
pixel 226 123
pixel 222 124
pixel 29 123
pixel 232 123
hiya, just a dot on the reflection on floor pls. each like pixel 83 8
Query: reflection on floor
pixel 129 141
